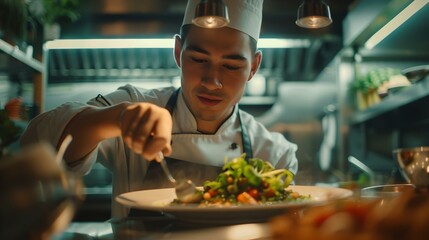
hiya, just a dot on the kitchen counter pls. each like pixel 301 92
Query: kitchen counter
pixel 157 226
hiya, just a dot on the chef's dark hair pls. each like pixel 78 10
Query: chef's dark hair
pixel 185 29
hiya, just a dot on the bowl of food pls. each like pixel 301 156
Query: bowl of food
pixel 404 217
pixel 414 165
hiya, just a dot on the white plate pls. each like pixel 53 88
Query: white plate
pixel 160 199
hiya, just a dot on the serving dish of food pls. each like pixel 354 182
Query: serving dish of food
pixel 245 191
pixel 403 217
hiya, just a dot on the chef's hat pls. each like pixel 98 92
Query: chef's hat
pixel 244 15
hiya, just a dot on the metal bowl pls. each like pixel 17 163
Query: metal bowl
pixel 388 191
pixel 414 165
pixel 417 73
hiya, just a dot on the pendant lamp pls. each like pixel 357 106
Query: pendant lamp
pixel 211 14
pixel 313 14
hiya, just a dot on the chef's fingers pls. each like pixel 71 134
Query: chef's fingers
pixel 142 131
pixel 136 123
pixel 128 122
pixel 161 140
pixel 154 146
pixel 146 129
pixel 163 130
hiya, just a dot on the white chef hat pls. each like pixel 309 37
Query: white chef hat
pixel 244 15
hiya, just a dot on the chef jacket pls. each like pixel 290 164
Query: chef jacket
pixel 195 156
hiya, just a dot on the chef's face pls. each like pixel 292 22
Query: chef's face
pixel 216 65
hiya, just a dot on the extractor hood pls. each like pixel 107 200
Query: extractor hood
pixel 95 60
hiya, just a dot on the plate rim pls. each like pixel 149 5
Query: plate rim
pixel 340 193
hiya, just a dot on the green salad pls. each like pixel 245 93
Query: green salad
pixel 254 181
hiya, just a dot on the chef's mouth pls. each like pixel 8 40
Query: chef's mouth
pixel 209 101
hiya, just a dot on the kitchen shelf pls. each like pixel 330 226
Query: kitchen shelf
pixel 16 63
pixel 405 96
pixel 377 34
pixel 19 55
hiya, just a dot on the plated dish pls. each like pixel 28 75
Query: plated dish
pixel 246 181
pixel 160 200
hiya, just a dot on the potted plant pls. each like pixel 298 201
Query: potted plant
pixel 12 20
pixel 49 12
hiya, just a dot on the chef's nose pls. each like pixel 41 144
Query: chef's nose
pixel 211 79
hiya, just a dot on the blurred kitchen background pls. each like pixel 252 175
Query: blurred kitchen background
pixel 338 92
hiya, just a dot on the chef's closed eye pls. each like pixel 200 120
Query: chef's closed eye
pixel 198 60
pixel 232 67
pixel 234 62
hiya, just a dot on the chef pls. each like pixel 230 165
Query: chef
pixel 197 125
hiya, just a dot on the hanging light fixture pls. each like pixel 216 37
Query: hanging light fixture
pixel 313 14
pixel 211 14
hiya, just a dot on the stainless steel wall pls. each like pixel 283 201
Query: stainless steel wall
pixel 297 114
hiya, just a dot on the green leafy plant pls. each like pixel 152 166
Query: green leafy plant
pixel 50 11
pixel 374 78
pixel 12 18
pixel 369 88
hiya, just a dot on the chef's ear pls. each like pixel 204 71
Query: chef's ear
pixel 256 62
pixel 177 49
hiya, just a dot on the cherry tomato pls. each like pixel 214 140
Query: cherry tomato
pixel 212 192
pixel 254 193
pixel 269 192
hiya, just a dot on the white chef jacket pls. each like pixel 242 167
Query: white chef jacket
pixel 199 156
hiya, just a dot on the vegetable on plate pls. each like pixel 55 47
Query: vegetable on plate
pixel 254 181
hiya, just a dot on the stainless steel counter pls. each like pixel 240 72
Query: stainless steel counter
pixel 161 227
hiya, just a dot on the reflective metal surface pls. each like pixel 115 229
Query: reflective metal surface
pixel 38 196
pixel 414 165
pixel 154 226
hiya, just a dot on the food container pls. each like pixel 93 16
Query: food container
pixel 414 165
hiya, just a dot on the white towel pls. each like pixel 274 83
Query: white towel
pixel 328 142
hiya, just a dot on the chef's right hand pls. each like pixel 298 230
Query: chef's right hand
pixel 146 129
